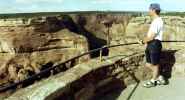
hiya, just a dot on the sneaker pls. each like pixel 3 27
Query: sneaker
pixel 161 81
pixel 150 84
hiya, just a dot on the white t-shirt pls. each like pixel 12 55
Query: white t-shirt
pixel 157 28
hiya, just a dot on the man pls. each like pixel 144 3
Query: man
pixel 152 40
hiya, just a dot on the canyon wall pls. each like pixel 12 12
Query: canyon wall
pixel 26 44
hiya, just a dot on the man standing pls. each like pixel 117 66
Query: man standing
pixel 152 40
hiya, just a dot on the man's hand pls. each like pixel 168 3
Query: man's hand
pixel 140 42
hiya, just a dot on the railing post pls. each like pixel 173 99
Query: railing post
pixel 108 36
pixel 52 72
pixel 101 55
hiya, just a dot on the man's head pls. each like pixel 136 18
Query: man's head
pixel 154 9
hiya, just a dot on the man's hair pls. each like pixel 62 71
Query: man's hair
pixel 157 12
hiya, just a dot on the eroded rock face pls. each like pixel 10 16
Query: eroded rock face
pixel 86 80
pixel 173 27
pixel 25 49
pixel 95 27
pixel 28 44
pixel 98 24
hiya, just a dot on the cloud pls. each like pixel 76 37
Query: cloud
pixel 102 1
pixel 118 1
pixel 9 10
pixel 38 1
pixel 8 6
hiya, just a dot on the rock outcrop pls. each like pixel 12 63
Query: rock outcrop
pixel 29 45
pixel 86 80
pixel 173 27
pixel 25 49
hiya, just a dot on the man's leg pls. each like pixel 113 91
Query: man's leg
pixel 155 71
pixel 156 75
pixel 152 60
pixel 155 60
pixel 148 59
pixel 148 65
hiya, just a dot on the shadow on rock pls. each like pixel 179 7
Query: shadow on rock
pixel 79 28
pixel 166 62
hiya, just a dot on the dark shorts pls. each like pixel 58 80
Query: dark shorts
pixel 153 52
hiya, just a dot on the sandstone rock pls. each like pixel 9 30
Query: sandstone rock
pixel 91 76
pixel 173 27
pixel 25 50
pixel 28 44
pixel 178 65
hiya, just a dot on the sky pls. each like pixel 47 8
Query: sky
pixel 25 6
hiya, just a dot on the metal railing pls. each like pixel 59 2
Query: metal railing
pixel 50 69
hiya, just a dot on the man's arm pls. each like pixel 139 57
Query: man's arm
pixel 151 33
pixel 150 36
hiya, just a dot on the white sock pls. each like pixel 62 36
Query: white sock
pixel 153 80
pixel 160 78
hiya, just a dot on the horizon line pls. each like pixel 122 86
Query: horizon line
pixel 85 11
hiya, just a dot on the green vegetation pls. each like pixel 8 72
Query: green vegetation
pixel 182 14
pixel 39 14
